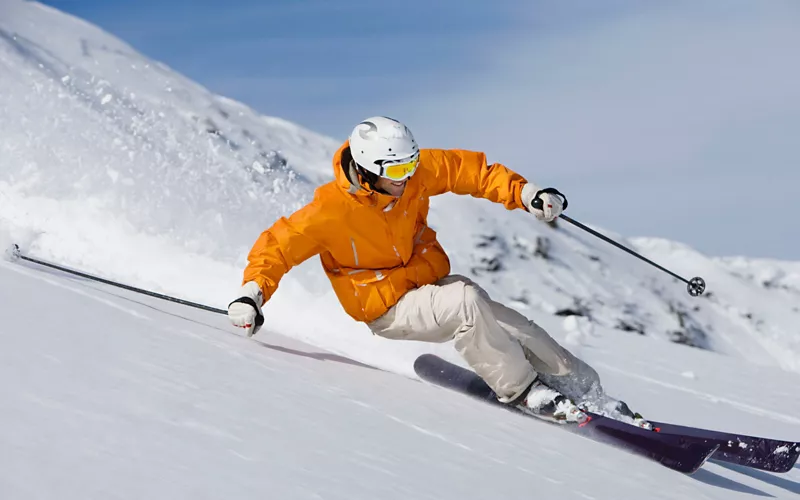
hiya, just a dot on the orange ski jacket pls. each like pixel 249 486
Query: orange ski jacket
pixel 374 247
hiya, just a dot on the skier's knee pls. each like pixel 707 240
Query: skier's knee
pixel 472 295
pixel 471 303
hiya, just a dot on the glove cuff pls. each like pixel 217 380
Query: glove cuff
pixel 528 194
pixel 253 291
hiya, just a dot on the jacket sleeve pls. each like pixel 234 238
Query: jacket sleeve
pixel 466 172
pixel 281 247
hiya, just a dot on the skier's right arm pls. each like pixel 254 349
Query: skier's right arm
pixel 281 247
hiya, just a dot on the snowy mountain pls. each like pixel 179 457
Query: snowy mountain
pixel 85 117
pixel 116 165
pixel 751 308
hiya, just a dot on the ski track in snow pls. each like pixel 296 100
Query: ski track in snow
pixel 77 290
pixel 710 397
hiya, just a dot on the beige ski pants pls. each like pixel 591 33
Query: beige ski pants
pixel 501 345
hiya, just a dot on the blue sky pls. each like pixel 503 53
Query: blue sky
pixel 324 64
pixel 678 119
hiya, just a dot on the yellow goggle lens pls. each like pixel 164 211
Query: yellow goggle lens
pixel 400 171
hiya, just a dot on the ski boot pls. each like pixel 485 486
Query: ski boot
pixel 546 403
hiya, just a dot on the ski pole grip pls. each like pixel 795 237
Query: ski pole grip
pixel 252 303
pixel 537 202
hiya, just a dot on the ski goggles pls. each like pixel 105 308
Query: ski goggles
pixel 399 170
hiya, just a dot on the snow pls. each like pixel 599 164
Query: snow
pixel 115 165
pixel 115 395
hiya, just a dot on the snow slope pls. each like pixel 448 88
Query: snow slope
pixel 85 117
pixel 112 395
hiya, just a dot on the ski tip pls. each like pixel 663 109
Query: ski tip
pixel 701 452
pixel 793 455
pixel 424 359
pixel 709 454
pixel 780 461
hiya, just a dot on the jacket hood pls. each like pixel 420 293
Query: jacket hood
pixel 347 179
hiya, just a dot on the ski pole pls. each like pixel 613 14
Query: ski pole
pixel 14 253
pixel 696 286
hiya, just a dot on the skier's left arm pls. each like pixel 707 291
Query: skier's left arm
pixel 468 172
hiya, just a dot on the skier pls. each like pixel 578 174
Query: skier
pixel 389 271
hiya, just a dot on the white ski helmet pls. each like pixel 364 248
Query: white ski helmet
pixel 384 147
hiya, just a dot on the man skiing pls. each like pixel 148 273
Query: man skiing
pixel 388 270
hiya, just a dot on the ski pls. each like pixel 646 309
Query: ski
pixel 683 456
pixel 771 455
